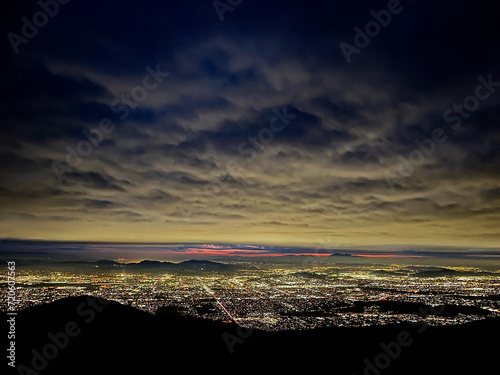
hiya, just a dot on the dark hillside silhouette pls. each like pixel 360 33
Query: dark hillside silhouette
pixel 110 338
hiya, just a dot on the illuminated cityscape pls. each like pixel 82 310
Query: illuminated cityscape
pixel 278 297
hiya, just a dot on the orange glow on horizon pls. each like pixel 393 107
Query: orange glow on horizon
pixel 244 252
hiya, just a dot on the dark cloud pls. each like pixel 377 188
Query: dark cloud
pixel 99 204
pixel 94 180
pixel 342 111
pixel 157 195
pixel 491 195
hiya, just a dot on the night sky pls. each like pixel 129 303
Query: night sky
pixel 260 122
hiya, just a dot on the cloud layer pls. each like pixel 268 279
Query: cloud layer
pixel 261 133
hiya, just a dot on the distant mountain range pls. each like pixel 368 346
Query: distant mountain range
pixel 188 265
pixel 341 255
pixel 440 272
pixel 432 272
pixel 82 335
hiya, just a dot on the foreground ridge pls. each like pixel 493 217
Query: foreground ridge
pixel 90 335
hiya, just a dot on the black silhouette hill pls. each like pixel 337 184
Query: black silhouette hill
pixel 193 265
pixel 441 272
pixel 124 340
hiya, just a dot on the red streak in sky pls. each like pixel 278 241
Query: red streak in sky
pixel 215 250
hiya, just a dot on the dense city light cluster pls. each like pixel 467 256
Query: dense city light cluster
pixel 278 297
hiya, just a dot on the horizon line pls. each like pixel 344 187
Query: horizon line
pixel 385 247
